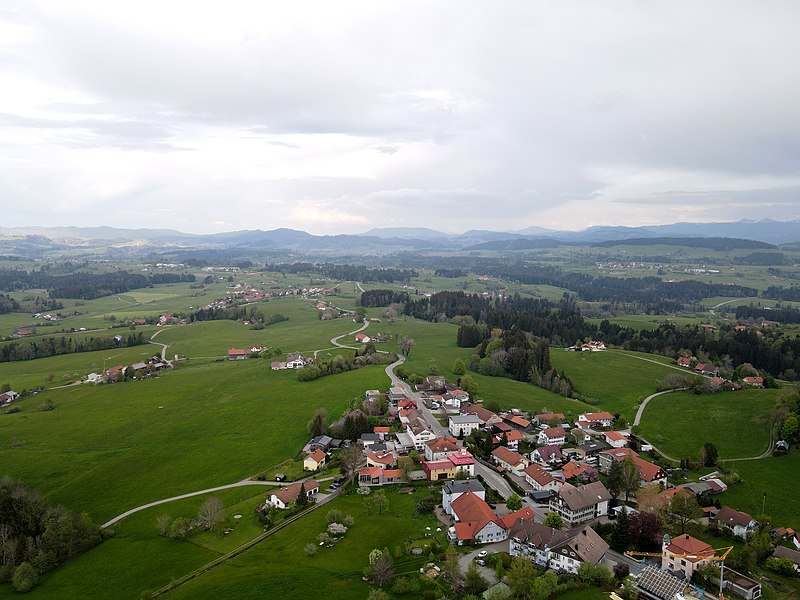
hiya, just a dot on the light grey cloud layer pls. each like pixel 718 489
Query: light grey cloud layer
pixel 338 117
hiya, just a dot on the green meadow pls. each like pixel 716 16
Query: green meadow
pixel 737 423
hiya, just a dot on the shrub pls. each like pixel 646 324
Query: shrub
pixel 311 549
pixel 25 578
pixel 782 566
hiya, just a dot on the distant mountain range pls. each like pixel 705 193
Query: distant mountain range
pixel 30 241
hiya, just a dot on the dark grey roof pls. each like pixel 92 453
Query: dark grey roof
pixel 322 439
pixel 370 437
pixel 590 447
pixel 659 584
pixel 460 486
pixel 784 552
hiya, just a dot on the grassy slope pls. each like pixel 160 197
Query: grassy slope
pixel 737 423
pixel 616 379
pixel 105 449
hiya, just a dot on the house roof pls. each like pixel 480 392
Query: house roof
pixel 659 583
pixel 316 456
pixel 442 444
pixel 435 465
pixel 573 469
pixel 754 380
pixel 648 471
pixel 597 416
pixel 586 543
pixel 462 486
pixel 616 436
pixel 525 513
pixel 538 474
pixel 380 430
pixel 508 456
pixel 477 410
pixel 549 452
pixel 578 498
pixel 784 552
pixel 371 471
pixel 519 421
pixel 686 544
pixel 383 459
pixel 554 432
pixel 237 352
pixel 512 436
pixel 732 517
pixel 473 515
pixel 465 420
pixel 537 534
pixel 620 453
pixel 291 492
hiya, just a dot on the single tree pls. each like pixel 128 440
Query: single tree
pixel 382 569
pixel 630 477
pixel 474 583
pixel 614 479
pixel 211 514
pixel 620 534
pixel 468 384
pixel 377 595
pixel 351 459
pixel 514 502
pixel 458 367
pixel 25 578
pixel 520 577
pixel 381 502
pixel 162 524
pixel 709 455
pixel 554 520
pixel 683 508
pixel 302 497
pixel 452 569
pixel 406 344
pixel 318 423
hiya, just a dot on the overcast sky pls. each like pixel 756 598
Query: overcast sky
pixel 340 116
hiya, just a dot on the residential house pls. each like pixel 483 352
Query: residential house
pixel 285 496
pixel 706 369
pixel 362 338
pixel 739 523
pixel 554 549
pixel 463 425
pixel 115 373
pixel 593 347
pixel 616 439
pixel 652 583
pixel 396 394
pixel 314 461
pixel 8 397
pixel 692 554
pixel 525 513
pixel 509 460
pixel 368 440
pixel 451 490
pixel 295 361
pixel 321 442
pixel 381 431
pixel 547 455
pixel 684 362
pixel 595 419
pixel 574 470
pixel 757 382
pixel 649 473
pixel 439 448
pixel 580 504
pixel 255 349
pixel 509 439
pixel 420 432
pixel 549 418
pixel 449 467
pixel 540 479
pixel 590 449
pixel 792 555
pixel 485 416
pixel 552 436
pixel 517 422
pixel 384 460
pixel 475 521
pixel 377 476
pixel 237 354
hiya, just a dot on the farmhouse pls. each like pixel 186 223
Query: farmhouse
pixel 485 416
pixel 283 497
pixel 757 382
pixel 237 354
pixel 593 347
pixel 475 521
pixel 509 460
pixel 8 397
pixel 684 362
pixel 362 338
pixel 580 504
pixel 792 555
pixel 552 436
pixel 439 448
pixel 540 479
pixel 555 549
pixel 314 461
pixel 616 439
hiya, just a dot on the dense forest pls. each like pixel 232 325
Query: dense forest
pixel 781 314
pixel 237 313
pixel 8 304
pixel 54 346
pixel 562 324
pixel 721 244
pixel 84 286
pixel 373 298
pixel 344 272
pixel 36 536
pixel 791 294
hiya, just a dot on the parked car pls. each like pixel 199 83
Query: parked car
pixel 481 562
pixel 482 554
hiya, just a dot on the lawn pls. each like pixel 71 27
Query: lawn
pixel 617 380
pixel 280 563
pixel 737 423
pixel 109 448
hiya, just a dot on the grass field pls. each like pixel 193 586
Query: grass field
pixel 616 379
pixel 109 448
pixel 737 423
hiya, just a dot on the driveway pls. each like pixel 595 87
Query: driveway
pixel 487 572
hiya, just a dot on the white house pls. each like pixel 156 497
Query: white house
pixel 555 549
pixel 510 460
pixel 616 439
pixel 475 521
pixel 463 425
pixel 454 488
pixel 440 448
pixel 547 455
pixel 552 436
pixel 283 497
pixel 580 504
pixel 737 522
pixel 540 479
pixel 691 554
pixel 595 419
pixel 420 433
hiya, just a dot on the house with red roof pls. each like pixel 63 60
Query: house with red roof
pixel 450 466
pixel 314 461
pixel 439 448
pixel 475 521
pixel 737 522
pixel 540 479
pixel 648 472
pixel 595 419
pixel 369 476
pixel 552 436
pixel 691 554
pixel 616 439
pixel 362 338
pixel 285 496
pixel 525 513
pixel 509 460
pixel 549 418
pixel 237 354
pixel 384 460
pixel 684 362
pixel 757 382
pixel 509 439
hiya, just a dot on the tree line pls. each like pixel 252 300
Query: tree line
pixel 37 536
pixel 782 314
pixel 374 298
pixel 237 313
pixel 344 272
pixel 55 346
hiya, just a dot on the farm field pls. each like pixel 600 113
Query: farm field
pixel 109 448
pixel 771 475
pixel 737 423
pixel 280 562
pixel 616 379
pixel 509 393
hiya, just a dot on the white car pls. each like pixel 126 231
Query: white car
pixel 482 554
